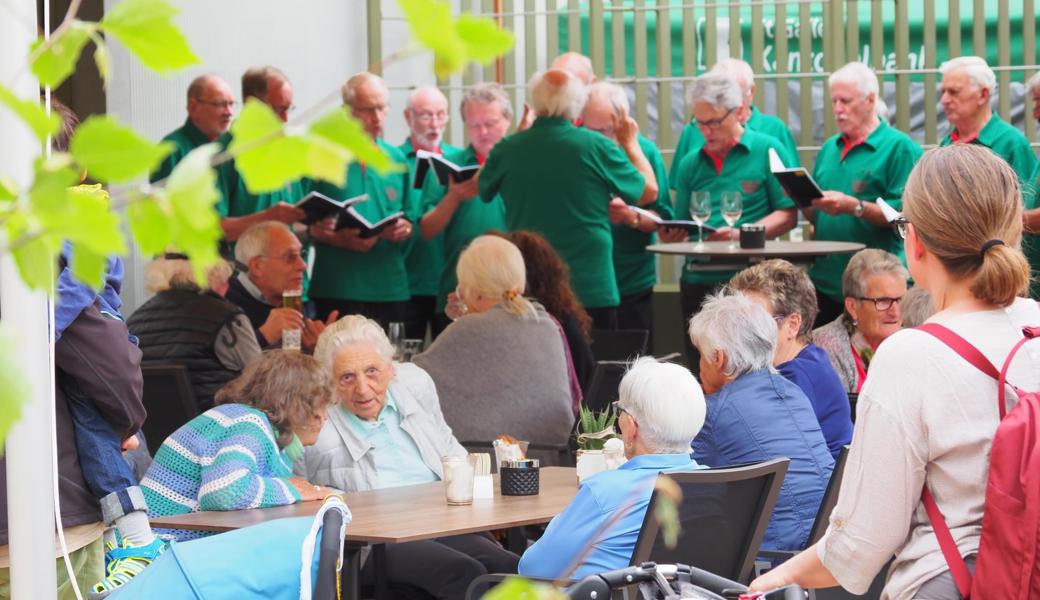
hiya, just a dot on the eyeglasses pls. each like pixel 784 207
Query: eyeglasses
pixel 371 110
pixel 902 226
pixel 713 123
pixel 483 125
pixel 618 408
pixel 289 258
pixel 882 304
pixel 430 117
pixel 283 110
pixel 217 103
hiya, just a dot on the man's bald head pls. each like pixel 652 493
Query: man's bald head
pixel 576 64
pixel 210 104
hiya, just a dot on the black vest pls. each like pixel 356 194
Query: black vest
pixel 256 310
pixel 181 327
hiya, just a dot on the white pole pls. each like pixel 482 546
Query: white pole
pixel 30 505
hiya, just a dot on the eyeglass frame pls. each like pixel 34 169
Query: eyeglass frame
pixel 902 226
pixel 230 104
pixel 877 302
pixel 714 123
pixel 618 409
pixel 287 258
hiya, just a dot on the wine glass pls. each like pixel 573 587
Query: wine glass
pixel 700 210
pixel 732 205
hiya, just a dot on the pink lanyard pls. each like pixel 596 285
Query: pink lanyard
pixel 861 371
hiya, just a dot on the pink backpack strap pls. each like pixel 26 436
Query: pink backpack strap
pixel 958 568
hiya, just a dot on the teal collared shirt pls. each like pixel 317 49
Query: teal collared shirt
pixel 1007 142
pixel 185 138
pixel 397 458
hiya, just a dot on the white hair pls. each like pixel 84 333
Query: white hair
pixel 255 241
pixel 737 326
pixel 352 329
pixel 176 273
pixel 424 89
pixel 978 72
pixel 737 69
pixel 1033 84
pixel 859 75
pixel 667 402
pixel 611 93
pixel 493 267
pixel 552 100
pixel 717 89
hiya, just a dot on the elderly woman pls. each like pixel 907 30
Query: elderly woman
pixel 387 432
pixel 756 414
pixel 874 284
pixel 195 327
pixel 501 368
pixel 732 160
pixel 661 409
pixel 926 416
pixel 239 454
pixel 786 292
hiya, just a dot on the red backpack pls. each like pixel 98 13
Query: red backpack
pixel 1007 565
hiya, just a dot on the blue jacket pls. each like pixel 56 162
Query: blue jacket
pixel 598 498
pixel 760 416
pixel 811 371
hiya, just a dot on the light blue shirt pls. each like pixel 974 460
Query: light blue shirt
pixel 628 488
pixel 397 458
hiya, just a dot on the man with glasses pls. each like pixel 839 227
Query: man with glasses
pixel 427 116
pixel 749 115
pixel 352 274
pixel 210 107
pixel 867 160
pixel 732 160
pixel 240 208
pixel 455 213
pixel 273 259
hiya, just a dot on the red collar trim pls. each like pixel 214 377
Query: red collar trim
pixel 849 145
pixel 955 137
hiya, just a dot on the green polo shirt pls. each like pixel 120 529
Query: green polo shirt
pixel 473 218
pixel 185 138
pixel 691 138
pixel 1031 241
pixel 424 259
pixel 878 167
pixel 1007 142
pixel 558 179
pixel 745 170
pixel 378 275
pixel 634 267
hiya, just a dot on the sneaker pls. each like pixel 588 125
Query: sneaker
pixel 124 563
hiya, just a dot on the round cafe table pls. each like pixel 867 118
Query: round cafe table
pixel 718 256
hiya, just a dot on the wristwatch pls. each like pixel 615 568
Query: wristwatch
pixel 858 211
pixel 636 221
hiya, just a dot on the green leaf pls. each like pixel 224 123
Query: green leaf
pixel 483 39
pixel 150 225
pixel 56 58
pixel 345 131
pixel 88 267
pixel 146 28
pixel 32 113
pixel 102 59
pixel 90 223
pixel 114 153
pixel 50 190
pixel 14 387
pixel 191 194
pixel 265 158
pixel 8 189
pixel 35 254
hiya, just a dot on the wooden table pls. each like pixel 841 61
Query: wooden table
pixel 718 256
pixel 403 514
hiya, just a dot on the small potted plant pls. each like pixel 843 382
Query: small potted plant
pixel 595 430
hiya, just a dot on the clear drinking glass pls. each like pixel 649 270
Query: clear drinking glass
pixel 409 348
pixel 732 205
pixel 395 332
pixel 458 479
pixel 291 338
pixel 700 210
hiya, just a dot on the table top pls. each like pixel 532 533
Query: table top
pixel 773 249
pixel 409 513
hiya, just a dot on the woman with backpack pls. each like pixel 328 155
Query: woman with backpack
pixel 926 416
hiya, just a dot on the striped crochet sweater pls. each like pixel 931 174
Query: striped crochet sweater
pixel 223 459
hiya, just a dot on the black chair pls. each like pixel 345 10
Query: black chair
pixel 168 399
pixel 723 515
pixel 619 344
pixel 326 582
pixel 830 498
pixel 603 385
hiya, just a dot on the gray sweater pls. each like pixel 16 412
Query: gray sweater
pixel 498 373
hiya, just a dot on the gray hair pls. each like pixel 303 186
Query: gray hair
pixel 552 100
pixel 737 326
pixel 865 80
pixel 865 264
pixel 717 89
pixel 611 93
pixel 255 241
pixel 1033 84
pixel 737 69
pixel 423 89
pixel 486 93
pixel 350 88
pixel 176 274
pixel 916 307
pixel 975 67
pixel 352 329
pixel 493 267
pixel 667 402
